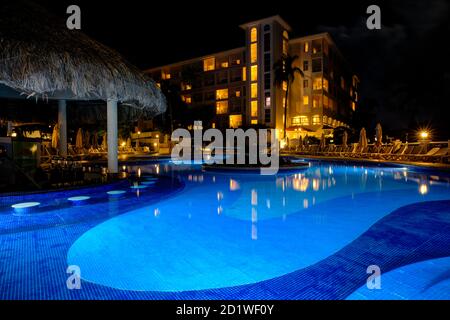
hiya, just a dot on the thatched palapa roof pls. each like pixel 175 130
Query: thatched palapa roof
pixel 40 57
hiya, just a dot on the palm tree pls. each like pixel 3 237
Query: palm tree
pixel 284 72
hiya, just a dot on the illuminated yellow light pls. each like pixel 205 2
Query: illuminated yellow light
pixel 244 73
pixel 14 134
pixel 254 73
pixel 138 132
pixel 423 189
pixel 222 107
pixel 254 121
pixel 424 134
pixel 209 64
pixel 254 90
pixel 221 94
pixel 155 144
pixel 253 53
pixel 253 35
pixel 123 144
pixel 157 136
pixel 234 185
pixel 254 108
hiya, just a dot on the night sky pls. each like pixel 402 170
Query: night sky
pixel 404 67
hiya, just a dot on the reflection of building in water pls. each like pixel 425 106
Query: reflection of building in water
pixel 234 185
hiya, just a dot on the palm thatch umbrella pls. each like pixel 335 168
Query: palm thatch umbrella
pixel 344 139
pixel 363 139
pixel 379 135
pixel 55 136
pixel 79 139
pixel 41 58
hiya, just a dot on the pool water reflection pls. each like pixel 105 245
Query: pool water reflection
pixel 228 229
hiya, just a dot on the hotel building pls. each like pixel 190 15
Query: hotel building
pixel 239 83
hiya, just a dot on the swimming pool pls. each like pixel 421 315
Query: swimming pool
pixel 183 233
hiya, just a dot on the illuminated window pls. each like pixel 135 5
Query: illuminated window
pixel 325 101
pixel 224 64
pixel 284 86
pixel 186 86
pixel 304 120
pixel 244 73
pixel 238 61
pixel 285 47
pixel 165 75
pixel 253 35
pixel 325 84
pixel 254 90
pixel 353 106
pixel 300 120
pixel 213 125
pixel 187 99
pixel 209 64
pixel 235 120
pixel 316 119
pixel 306 47
pixel 268 101
pixel 305 100
pixel 253 53
pixel 222 107
pixel 316 101
pixel 237 93
pixel 254 73
pixel 317 83
pixel 254 121
pixel 254 108
pixel 221 94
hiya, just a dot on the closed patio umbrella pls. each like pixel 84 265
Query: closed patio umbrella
pixel 300 142
pixel 55 136
pixel 79 139
pixel 87 139
pixel 379 135
pixel 322 142
pixel 95 140
pixel 104 144
pixel 344 139
pixel 363 139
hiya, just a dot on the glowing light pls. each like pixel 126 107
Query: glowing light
pixel 234 185
pixel 24 206
pixel 123 144
pixel 115 192
pixel 155 144
pixel 78 198
pixel 219 196
pixel 14 134
pixel 138 132
pixel 33 149
pixel 424 134
pixel 139 172
pixel 254 197
pixel 423 189
pixel 124 168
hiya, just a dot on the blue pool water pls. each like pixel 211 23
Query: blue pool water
pixel 193 234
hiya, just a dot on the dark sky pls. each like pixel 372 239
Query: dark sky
pixel 404 67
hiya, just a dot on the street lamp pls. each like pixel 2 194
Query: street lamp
pixel 424 134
